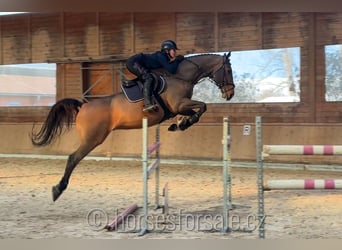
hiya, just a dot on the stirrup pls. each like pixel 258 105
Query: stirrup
pixel 150 107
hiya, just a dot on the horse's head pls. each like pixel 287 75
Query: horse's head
pixel 223 78
pixel 196 67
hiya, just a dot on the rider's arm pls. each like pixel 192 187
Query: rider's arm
pixel 166 64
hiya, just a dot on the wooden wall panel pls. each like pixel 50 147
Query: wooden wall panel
pixel 15 40
pixel 47 38
pixel 84 36
pixel 23 114
pixel 275 113
pixel 76 39
pixel 150 29
pixel 60 82
pixel 195 32
pixel 281 30
pixel 73 80
pixel 329 29
pixel 101 79
pixel 239 31
pixel 116 34
pixel 81 34
pixel 69 81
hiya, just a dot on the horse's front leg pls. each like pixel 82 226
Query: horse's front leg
pixel 188 109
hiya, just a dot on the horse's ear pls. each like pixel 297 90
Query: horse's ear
pixel 226 56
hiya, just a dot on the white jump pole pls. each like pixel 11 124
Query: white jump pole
pixel 303 184
pixel 260 177
pixel 302 150
pixel 227 181
pixel 145 175
pixel 147 170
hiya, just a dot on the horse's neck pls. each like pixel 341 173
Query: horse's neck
pixel 191 76
pixel 194 69
pixel 185 74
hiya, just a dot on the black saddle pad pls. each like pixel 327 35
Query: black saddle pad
pixel 135 93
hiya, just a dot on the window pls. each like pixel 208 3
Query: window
pixel 333 73
pixel 260 76
pixel 28 84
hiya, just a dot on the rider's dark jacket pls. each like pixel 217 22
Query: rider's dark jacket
pixel 155 60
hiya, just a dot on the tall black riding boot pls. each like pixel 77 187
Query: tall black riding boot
pixel 148 105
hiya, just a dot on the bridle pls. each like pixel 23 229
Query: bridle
pixel 222 71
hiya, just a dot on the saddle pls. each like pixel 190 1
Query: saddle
pixel 133 89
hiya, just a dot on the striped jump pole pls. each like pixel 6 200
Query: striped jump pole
pixel 303 184
pixel 302 150
pixel 114 224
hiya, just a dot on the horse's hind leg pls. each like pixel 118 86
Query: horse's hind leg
pixel 73 160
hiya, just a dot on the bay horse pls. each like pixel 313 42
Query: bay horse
pixel 94 120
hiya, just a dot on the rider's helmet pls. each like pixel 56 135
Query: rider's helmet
pixel 167 45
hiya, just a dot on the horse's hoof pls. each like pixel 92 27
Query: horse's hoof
pixel 183 127
pixel 173 127
pixel 55 193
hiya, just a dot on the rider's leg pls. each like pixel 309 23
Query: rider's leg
pixel 148 84
pixel 130 65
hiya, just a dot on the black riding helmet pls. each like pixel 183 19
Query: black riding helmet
pixel 168 44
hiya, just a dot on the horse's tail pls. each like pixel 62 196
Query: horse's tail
pixel 61 114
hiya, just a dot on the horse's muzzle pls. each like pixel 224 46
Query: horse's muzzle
pixel 227 92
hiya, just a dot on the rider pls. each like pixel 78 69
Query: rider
pixel 141 64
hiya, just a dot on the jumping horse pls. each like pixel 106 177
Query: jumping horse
pixel 94 120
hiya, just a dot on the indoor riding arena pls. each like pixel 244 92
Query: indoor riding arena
pixel 265 164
